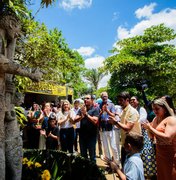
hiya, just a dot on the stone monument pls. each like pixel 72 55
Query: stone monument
pixel 10 140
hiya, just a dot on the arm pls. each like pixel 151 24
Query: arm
pixel 40 119
pixel 78 117
pixel 53 136
pixel 115 167
pixel 62 120
pixel 71 117
pixel 121 175
pixel 126 127
pixel 30 117
pixel 170 130
pixel 13 68
pixel 110 112
pixel 145 98
pixel 92 119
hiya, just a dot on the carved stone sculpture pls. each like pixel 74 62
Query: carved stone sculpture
pixel 10 140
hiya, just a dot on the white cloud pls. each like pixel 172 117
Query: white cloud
pixel 71 4
pixel 94 62
pixel 122 32
pixel 146 11
pixel 104 81
pixel 166 16
pixel 86 51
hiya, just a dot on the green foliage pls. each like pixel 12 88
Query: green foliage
pixel 15 7
pixel 94 76
pixel 62 166
pixel 21 118
pixel 147 57
pixel 48 50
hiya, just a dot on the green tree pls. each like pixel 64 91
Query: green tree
pixel 94 76
pixel 49 51
pixel 43 48
pixel 148 57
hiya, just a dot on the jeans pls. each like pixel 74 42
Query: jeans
pixel 67 139
pixel 76 139
pixel 88 144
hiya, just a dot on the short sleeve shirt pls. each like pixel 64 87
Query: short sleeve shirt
pixel 104 124
pixel 133 167
pixel 131 115
pixel 50 142
pixel 87 128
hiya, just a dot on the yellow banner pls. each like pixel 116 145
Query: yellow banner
pixel 50 89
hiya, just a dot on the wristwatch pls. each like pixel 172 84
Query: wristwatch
pixel 116 123
pixel 87 114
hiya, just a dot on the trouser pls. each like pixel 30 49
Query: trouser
pixel 67 139
pixel 100 151
pixel 109 144
pixel 88 144
pixel 76 139
pixel 116 132
pixel 123 155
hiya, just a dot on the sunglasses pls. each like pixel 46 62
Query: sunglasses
pixel 87 98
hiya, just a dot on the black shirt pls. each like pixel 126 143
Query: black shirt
pixel 87 128
pixel 50 142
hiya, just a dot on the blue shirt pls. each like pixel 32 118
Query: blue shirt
pixel 105 126
pixel 133 167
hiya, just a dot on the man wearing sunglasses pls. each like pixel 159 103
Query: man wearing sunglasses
pixel 88 116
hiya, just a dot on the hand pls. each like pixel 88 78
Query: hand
pixel 112 120
pixel 68 117
pixel 36 75
pixel 146 125
pixel 83 110
pixel 43 132
pixel 50 134
pixel 104 108
pixel 111 163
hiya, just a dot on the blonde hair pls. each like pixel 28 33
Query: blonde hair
pixel 65 102
pixel 163 103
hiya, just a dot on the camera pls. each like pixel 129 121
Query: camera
pixel 140 86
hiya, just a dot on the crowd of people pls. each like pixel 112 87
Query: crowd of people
pixel 140 140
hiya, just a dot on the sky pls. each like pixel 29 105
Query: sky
pixel 92 27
